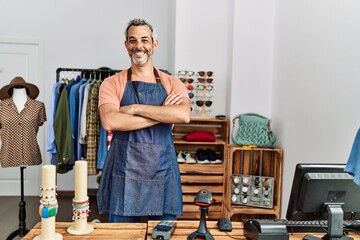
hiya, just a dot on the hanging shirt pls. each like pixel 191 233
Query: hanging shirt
pixel 81 147
pixel 50 136
pixel 62 132
pixel 92 128
pixel 19 133
pixel 73 110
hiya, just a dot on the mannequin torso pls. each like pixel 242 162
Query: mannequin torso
pixel 19 97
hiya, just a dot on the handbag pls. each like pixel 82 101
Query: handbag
pixel 252 129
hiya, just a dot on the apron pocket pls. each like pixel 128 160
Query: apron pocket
pixel 139 174
pixel 143 197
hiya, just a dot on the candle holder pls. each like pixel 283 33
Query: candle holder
pixel 48 205
pixel 80 202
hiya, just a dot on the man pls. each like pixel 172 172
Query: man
pixel 141 175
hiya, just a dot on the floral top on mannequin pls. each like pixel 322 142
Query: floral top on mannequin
pixel 20 118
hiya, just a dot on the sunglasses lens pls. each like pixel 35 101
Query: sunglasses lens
pixel 190 73
pixel 201 73
pixel 199 103
pixel 201 80
pixel 182 72
pixel 209 74
pixel 200 87
pixel 190 87
pixel 190 80
pixel 209 87
pixel 208 103
pixel 191 95
pixel 183 80
pixel 209 80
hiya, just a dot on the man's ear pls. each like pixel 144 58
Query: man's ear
pixel 155 43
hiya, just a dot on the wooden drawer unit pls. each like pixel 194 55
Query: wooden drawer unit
pixel 259 163
pixel 195 177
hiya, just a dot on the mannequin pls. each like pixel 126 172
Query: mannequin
pixel 21 115
pixel 19 97
pixel 20 118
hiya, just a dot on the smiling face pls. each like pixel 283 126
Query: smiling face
pixel 140 45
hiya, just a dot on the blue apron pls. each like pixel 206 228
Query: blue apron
pixel 141 175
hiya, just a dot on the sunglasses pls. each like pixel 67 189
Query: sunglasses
pixel 189 80
pixel 186 73
pixel 203 73
pixel 201 103
pixel 202 87
pixel 202 80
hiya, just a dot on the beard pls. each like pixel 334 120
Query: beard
pixel 139 61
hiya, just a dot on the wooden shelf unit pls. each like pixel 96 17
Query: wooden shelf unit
pixel 195 177
pixel 241 162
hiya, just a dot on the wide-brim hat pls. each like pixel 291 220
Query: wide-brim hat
pixel 32 90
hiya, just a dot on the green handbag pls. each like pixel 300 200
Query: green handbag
pixel 252 129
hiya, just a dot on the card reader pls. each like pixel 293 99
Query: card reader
pixel 163 230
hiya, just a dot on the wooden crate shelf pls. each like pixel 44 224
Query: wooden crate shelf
pixel 267 162
pixel 195 177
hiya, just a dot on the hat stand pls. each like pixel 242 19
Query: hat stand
pixel 22 231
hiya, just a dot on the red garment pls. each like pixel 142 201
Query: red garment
pixel 200 136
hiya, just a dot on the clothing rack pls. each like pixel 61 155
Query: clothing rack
pixel 100 73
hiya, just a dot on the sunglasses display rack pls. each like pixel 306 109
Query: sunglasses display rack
pixel 252 190
pixel 199 90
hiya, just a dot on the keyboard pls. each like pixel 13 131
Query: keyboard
pixel 316 225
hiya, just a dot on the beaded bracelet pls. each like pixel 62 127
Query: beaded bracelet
pixel 47 197
pixel 80 202
pixel 81 206
pixel 80 214
pixel 47 212
pixel 48 189
pixel 47 203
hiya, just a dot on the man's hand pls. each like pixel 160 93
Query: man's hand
pixel 173 99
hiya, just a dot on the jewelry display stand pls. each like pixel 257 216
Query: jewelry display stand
pixel 48 205
pixel 81 201
pixel 22 231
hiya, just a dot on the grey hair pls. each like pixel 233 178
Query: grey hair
pixel 140 22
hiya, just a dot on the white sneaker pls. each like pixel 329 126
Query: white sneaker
pixel 189 158
pixel 180 157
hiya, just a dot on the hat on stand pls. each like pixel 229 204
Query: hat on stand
pixel 32 90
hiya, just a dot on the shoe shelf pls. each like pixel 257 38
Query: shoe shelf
pixel 197 176
pixel 258 162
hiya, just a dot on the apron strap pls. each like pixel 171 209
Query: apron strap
pixel 157 76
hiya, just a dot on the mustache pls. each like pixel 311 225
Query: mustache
pixel 139 50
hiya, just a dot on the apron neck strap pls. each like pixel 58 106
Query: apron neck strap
pixel 157 76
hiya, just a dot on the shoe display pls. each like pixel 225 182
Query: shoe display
pixel 201 156
pixel 213 157
pixel 188 158
pixel 180 157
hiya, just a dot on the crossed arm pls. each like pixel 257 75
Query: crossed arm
pixel 175 109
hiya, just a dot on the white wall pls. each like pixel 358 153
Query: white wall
pixel 316 82
pixel 203 42
pixel 252 54
pixel 294 61
pixel 84 34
